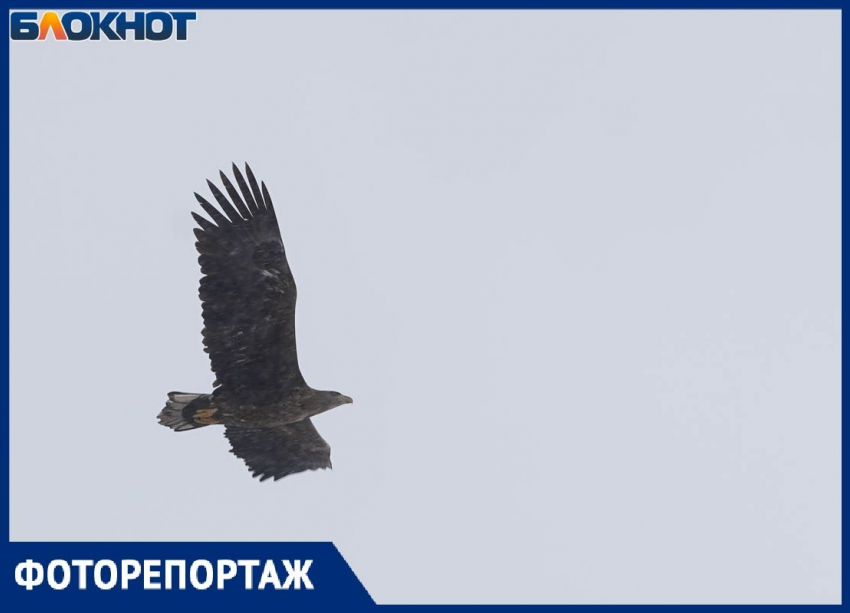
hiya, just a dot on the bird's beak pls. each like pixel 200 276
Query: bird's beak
pixel 346 400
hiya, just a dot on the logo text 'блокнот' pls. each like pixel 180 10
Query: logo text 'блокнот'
pixel 98 25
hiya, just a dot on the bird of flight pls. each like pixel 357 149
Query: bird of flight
pixel 248 298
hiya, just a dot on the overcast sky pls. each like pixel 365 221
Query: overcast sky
pixel 580 272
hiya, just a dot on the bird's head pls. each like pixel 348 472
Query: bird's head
pixel 325 401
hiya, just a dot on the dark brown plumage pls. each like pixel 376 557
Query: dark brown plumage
pixel 248 297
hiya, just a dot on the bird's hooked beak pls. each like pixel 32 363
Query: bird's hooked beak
pixel 346 400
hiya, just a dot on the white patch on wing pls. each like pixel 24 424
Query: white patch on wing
pixel 266 273
pixel 184 398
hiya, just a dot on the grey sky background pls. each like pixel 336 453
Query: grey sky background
pixel 580 272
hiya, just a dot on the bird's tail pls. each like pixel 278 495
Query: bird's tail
pixel 188 411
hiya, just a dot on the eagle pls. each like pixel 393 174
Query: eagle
pixel 248 300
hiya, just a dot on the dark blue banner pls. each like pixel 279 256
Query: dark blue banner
pixel 142 576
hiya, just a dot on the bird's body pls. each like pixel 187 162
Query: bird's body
pixel 298 404
pixel 248 296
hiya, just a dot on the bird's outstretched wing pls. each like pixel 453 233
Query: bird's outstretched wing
pixel 248 294
pixel 280 451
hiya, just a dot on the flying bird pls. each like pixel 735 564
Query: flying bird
pixel 248 298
